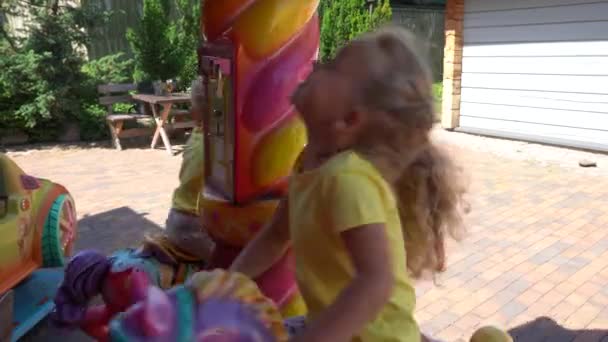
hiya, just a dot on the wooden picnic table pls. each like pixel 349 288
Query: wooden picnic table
pixel 165 102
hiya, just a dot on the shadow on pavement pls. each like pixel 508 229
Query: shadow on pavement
pixel 115 229
pixel 546 329
pixel 106 232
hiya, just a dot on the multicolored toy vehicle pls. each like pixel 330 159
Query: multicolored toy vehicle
pixel 38 228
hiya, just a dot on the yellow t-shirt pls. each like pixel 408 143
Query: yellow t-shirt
pixel 344 193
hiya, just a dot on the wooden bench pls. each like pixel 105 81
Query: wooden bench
pixel 119 93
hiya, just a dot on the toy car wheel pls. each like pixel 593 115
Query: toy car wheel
pixel 59 232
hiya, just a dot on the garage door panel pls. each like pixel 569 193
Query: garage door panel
pixel 555 83
pixel 536 69
pixel 584 31
pixel 583 136
pixel 538 99
pixel 540 15
pixel 595 66
pixel 548 49
pixel 492 5
pixel 520 113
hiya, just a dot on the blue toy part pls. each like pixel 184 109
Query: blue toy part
pixel 123 328
pixel 53 253
pixel 185 314
pixel 125 259
pixel 33 299
pixel 163 276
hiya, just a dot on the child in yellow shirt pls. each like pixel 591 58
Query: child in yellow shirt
pixel 183 223
pixel 373 199
pixel 370 204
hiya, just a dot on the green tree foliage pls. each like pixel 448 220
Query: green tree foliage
pixel 45 80
pixel 343 20
pixel 24 100
pixel 152 43
pixel 381 14
pixel 41 85
pixel 109 69
pixel 188 26
pixel 163 46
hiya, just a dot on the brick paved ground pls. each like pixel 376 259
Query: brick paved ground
pixel 536 260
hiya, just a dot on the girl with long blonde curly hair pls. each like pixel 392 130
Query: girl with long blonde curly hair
pixel 374 198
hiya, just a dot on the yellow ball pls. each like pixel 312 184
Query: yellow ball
pixel 491 334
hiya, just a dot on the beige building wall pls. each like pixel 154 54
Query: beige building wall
pixel 452 67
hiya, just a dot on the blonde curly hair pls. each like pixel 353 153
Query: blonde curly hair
pixel 395 86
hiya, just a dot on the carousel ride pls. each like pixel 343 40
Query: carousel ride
pixel 255 54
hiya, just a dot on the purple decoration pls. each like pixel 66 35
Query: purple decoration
pixel 238 322
pixel 154 319
pixel 84 277
pixel 154 316
pixel 29 182
pixel 216 320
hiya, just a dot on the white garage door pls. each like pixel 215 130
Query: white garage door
pixel 537 70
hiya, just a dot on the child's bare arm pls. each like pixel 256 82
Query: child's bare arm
pixel 364 298
pixel 267 247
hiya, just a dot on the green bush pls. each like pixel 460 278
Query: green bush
pixel 92 123
pixel 438 95
pixel 24 100
pixel 165 48
pixel 42 86
pixel 438 91
pixel 189 73
pixel 46 81
pixel 188 26
pixel 343 20
pixel 109 69
pixel 153 43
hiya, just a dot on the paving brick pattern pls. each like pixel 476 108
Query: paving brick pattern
pixel 535 262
